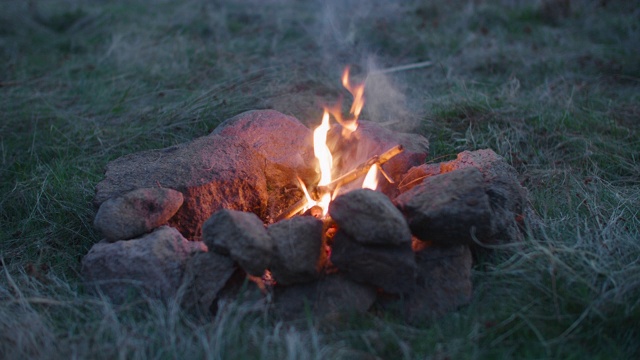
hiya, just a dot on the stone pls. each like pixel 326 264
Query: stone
pixel 242 236
pixel 152 265
pixel 443 282
pixel 416 175
pixel 372 139
pixel 136 212
pixel 392 268
pixel 299 251
pixel 369 217
pixel 283 141
pixel 205 276
pixel 212 172
pixel 331 295
pixel 448 209
pixel 507 198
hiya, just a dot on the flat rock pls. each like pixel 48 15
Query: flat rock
pixel 392 268
pixel 212 172
pixel 136 212
pixel 242 236
pixel 507 198
pixel 443 282
pixel 449 208
pixel 372 139
pixel 331 295
pixel 152 265
pixel 298 249
pixel 205 276
pixel 369 217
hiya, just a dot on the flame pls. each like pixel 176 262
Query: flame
pixel 371 179
pixel 323 154
pixel 358 95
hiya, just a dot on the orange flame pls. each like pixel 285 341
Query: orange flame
pixel 323 154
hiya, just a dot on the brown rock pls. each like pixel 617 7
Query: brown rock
pixel 212 172
pixel 331 295
pixel 448 209
pixel 298 249
pixel 152 265
pixel 443 282
pixel 136 212
pixel 508 199
pixel 242 236
pixel 206 274
pixel 392 268
pixel 283 141
pixel 416 175
pixel 372 139
pixel 369 217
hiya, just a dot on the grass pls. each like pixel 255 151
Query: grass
pixel 82 83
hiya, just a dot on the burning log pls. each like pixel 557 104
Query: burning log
pixel 359 171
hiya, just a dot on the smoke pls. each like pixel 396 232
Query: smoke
pixel 345 33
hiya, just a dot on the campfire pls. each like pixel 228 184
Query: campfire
pixel 346 217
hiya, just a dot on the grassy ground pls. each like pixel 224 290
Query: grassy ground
pixel 84 82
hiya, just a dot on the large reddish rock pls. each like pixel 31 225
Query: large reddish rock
pixel 136 212
pixel 152 265
pixel 372 139
pixel 284 142
pixel 212 172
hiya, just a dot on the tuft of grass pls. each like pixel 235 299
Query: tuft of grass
pixel 83 83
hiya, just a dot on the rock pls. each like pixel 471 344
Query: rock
pixel 372 139
pixel 205 275
pixel 369 217
pixel 392 268
pixel 242 236
pixel 416 175
pixel 448 209
pixel 443 282
pixel 508 199
pixel 212 172
pixel 136 212
pixel 283 141
pixel 331 295
pixel 152 265
pixel 299 251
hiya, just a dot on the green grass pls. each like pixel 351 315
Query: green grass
pixel 82 83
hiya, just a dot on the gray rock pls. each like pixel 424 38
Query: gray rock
pixel 392 268
pixel 448 209
pixel 152 265
pixel 508 199
pixel 331 295
pixel 298 249
pixel 443 282
pixel 372 139
pixel 136 212
pixel 212 172
pixel 369 217
pixel 242 236
pixel 205 276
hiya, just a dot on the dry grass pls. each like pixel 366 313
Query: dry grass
pixel 84 82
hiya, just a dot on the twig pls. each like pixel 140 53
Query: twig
pixel 362 169
pixel 293 209
pixel 403 68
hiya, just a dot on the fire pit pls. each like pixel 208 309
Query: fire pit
pixel 338 219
